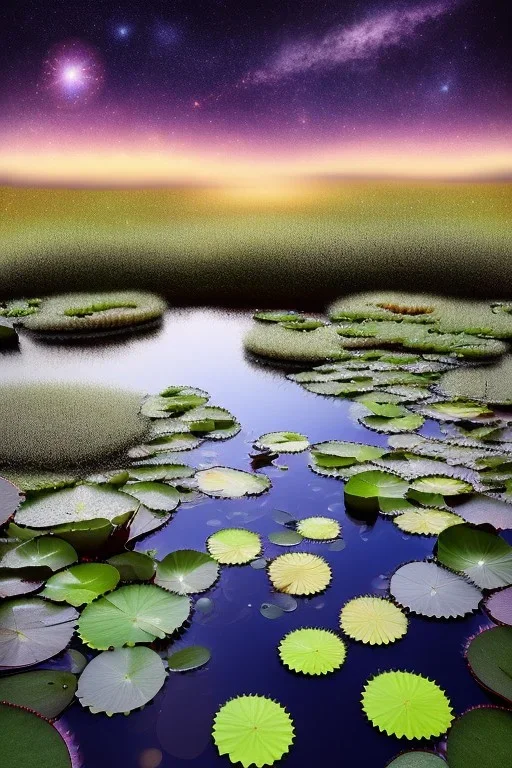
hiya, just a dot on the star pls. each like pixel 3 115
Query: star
pixel 444 88
pixel 123 31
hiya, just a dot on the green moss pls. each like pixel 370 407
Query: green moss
pixel 66 425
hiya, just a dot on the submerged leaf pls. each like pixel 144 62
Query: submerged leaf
pixel 406 704
pixel 121 680
pixel 253 730
pixel 373 620
pixel 312 651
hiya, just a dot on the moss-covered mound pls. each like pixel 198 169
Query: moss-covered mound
pixel 488 383
pixel 66 425
pixel 92 312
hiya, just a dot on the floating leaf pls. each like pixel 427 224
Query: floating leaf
pixel 299 573
pixel 71 505
pixel 43 552
pixel 173 401
pixel 365 490
pixel 373 620
pixel 277 316
pixel 312 651
pixel 485 558
pixel 223 482
pixel 178 441
pixel 489 655
pixel 499 606
pixel 121 680
pixel 253 730
pixel 417 759
pixel 32 630
pixel 133 566
pixel 406 704
pixel 44 691
pixel 157 497
pixel 29 482
pixel 234 546
pixel 82 583
pixel 428 522
pixel 21 582
pixel 30 741
pixel 446 486
pixel 145 520
pixel 167 472
pixel 271 611
pixel 186 572
pixel 10 499
pixel 430 590
pixel 319 528
pixel 283 442
pixel 481 738
pixel 337 453
pixel 480 509
pixel 192 657
pixel 285 538
pixel 456 410
pixel 137 613
pixel 393 426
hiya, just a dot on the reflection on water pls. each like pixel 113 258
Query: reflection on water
pixel 203 349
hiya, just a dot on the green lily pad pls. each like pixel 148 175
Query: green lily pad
pixel 30 741
pixel 187 571
pixel 31 482
pixel 42 552
pixel 121 680
pixel 489 655
pixel 32 630
pixel 80 504
pixel 365 490
pixel 137 613
pixel 457 410
pixel 155 496
pixel 224 482
pixel 277 316
pixel 164 472
pixel 173 401
pixel 483 557
pixel 393 426
pixel 192 657
pixel 283 442
pixel 81 584
pixel 481 738
pixel 337 453
pixel 285 538
pixel 133 566
pixel 46 692
pixel 445 486
pixel 417 759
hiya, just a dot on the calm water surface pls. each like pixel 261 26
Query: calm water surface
pixel 203 348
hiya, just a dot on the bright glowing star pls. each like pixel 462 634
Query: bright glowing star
pixel 445 88
pixel 73 72
pixel 122 31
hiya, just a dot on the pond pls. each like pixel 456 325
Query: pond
pixel 203 348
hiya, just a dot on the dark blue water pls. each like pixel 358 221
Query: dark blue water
pixel 204 349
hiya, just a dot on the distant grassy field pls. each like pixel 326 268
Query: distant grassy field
pixel 293 244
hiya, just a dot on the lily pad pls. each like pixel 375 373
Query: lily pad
pixel 121 680
pixel 446 486
pixel 393 426
pixel 405 704
pixel 223 482
pixel 489 655
pixel 145 521
pixel 164 472
pixel 173 401
pixel 21 582
pixel 42 552
pixel 253 730
pixel 82 583
pixel 44 691
pixel 364 490
pixel 319 528
pixel 32 630
pixel 158 497
pixel 71 505
pixel 283 442
pixel 137 613
pixel 483 557
pixel 499 606
pixel 285 538
pixel 133 566
pixel 234 546
pixel 426 522
pixel 10 499
pixel 481 738
pixel 192 657
pixel 312 651
pixel 30 741
pixel 373 620
pixel 299 573
pixel 480 509
pixel 186 572
pixel 417 759
pixel 429 590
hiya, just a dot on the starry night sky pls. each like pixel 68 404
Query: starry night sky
pixel 256 74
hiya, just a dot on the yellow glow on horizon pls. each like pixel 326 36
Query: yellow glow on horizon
pixel 160 167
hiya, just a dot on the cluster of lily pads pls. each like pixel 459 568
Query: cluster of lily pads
pixel 79 314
